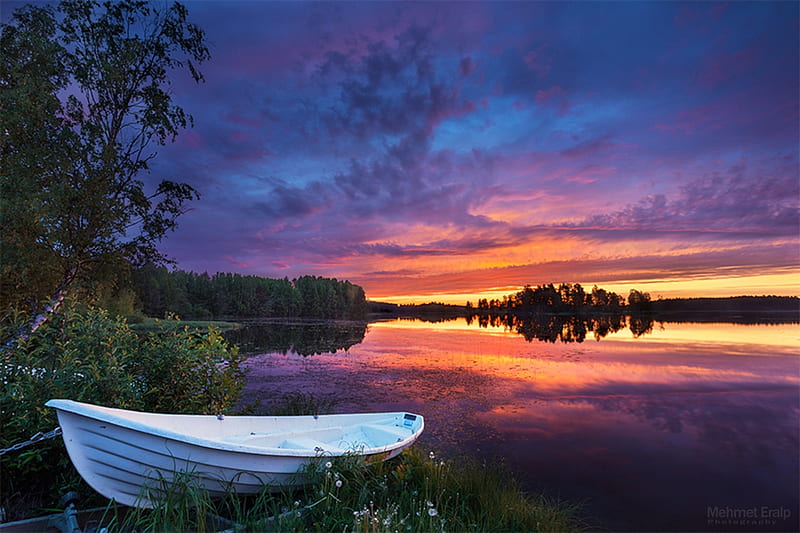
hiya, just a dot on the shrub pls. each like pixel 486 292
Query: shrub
pixel 190 371
pixel 87 355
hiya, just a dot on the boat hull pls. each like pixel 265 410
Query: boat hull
pixel 134 463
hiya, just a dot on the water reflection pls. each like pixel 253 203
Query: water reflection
pixel 649 430
pixel 302 337
pixel 564 328
pixel 659 461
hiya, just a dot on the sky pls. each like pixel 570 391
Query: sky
pixel 446 151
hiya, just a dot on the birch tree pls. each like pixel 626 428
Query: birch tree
pixel 85 100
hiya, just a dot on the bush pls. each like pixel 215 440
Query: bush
pixel 87 355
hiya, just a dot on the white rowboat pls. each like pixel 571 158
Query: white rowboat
pixel 129 456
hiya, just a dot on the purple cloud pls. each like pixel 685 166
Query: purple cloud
pixel 758 200
pixel 331 137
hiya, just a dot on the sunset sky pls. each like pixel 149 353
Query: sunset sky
pixel 444 151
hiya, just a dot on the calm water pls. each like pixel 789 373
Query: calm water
pixel 687 427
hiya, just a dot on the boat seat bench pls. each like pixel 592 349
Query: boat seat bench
pixel 306 443
pixel 399 433
pixel 267 439
pixel 327 439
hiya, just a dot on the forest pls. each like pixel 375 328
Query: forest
pixel 566 298
pixel 161 292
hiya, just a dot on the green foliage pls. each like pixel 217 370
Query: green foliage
pixel 84 94
pixel 186 371
pixel 86 355
pixel 222 295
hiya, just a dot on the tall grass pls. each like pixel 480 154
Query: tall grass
pixel 416 491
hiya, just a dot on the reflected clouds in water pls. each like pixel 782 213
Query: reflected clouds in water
pixel 648 431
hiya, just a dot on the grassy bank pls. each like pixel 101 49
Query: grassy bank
pixel 158 324
pixel 416 491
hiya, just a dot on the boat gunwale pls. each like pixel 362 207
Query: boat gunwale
pixel 102 414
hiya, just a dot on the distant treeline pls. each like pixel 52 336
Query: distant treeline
pixel 201 296
pixel 566 298
pixel 738 308
pixel 429 312
pixel 573 300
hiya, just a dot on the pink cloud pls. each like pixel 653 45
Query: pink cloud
pixel 240 137
pixel 591 174
pixel 249 122
pixel 554 96
pixel 537 60
pixel 191 139
pixel 530 59
pixel 723 66
pixel 467 66
pixel 234 262
pixel 762 117
pixel 748 260
pixel 707 116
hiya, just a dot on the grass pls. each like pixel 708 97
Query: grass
pixel 416 491
pixel 158 324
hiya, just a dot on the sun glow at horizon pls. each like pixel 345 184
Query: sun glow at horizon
pixel 780 284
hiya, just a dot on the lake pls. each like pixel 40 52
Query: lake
pixel 671 426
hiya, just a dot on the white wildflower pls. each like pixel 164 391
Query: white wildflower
pixel 432 511
pixel 338 483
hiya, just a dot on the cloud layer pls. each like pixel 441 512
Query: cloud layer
pixel 423 148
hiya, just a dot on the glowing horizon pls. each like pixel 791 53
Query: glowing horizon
pixel 769 285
